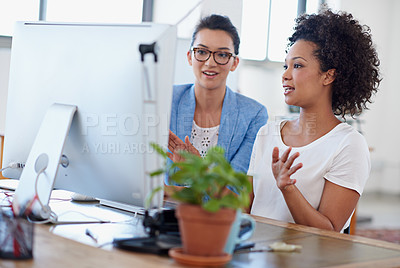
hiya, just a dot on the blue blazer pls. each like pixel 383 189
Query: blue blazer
pixel 241 119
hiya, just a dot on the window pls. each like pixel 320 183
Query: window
pixel 112 11
pixel 266 25
pixel 255 17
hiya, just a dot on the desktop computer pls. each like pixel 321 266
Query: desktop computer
pixel 84 103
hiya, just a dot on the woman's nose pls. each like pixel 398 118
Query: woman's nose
pixel 211 60
pixel 286 75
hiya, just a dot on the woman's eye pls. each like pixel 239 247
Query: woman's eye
pixel 296 65
pixel 284 67
pixel 201 52
pixel 223 55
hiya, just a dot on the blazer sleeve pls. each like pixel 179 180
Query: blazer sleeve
pixel 240 161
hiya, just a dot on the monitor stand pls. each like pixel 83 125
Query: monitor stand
pixel 38 176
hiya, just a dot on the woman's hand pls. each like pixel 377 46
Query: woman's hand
pixel 282 167
pixel 175 144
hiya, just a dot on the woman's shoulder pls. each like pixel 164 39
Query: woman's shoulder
pixel 348 136
pixel 181 89
pixel 249 105
pixel 180 92
pixel 345 129
pixel 245 101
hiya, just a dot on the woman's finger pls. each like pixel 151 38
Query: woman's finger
pixel 290 160
pixel 285 154
pixel 190 147
pixel 174 139
pixel 275 155
pixel 170 156
pixel 293 169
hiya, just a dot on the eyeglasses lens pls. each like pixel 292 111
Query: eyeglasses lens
pixel 219 56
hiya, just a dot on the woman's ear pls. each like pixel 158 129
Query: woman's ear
pixel 330 76
pixel 189 57
pixel 235 64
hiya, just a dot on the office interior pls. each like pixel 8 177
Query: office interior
pixel 261 80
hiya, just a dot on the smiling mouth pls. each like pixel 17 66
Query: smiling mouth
pixel 210 73
pixel 288 90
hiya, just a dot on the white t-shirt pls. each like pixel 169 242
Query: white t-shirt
pixel 204 138
pixel 340 156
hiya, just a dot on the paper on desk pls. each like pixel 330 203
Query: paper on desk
pixel 282 246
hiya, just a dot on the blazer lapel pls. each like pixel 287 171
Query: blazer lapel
pixel 229 118
pixel 186 107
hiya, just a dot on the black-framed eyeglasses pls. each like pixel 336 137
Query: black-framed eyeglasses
pixel 220 57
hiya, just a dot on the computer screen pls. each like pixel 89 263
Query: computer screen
pixel 122 100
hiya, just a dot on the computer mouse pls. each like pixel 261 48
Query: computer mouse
pixel 82 198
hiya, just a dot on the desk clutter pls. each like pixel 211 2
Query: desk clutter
pixel 163 234
pixel 156 232
pixel 89 230
pixel 16 236
pixel 16 231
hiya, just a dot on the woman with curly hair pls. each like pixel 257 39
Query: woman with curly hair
pixel 319 165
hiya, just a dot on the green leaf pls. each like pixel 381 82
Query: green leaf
pixel 212 205
pixel 206 180
pixel 185 195
pixel 151 195
pixel 159 149
pixel 157 172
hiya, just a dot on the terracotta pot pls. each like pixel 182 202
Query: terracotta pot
pixel 204 233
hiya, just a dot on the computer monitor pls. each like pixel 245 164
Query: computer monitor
pixel 122 99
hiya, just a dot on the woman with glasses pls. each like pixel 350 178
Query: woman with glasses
pixel 312 170
pixel 208 113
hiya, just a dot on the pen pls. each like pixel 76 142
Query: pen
pixel 250 250
pixel 91 235
pixel 78 222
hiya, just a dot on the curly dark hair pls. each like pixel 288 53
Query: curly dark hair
pixel 218 22
pixel 345 45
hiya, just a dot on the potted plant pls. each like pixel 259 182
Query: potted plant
pixel 207 208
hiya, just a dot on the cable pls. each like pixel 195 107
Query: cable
pixel 52 218
pixel 13 165
pixel 36 190
pixel 46 212
pixel 97 220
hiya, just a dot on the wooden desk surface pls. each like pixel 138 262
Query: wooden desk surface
pixel 319 249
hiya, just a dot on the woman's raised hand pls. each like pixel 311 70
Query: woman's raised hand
pixel 282 167
pixel 175 144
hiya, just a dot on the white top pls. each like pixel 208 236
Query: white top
pixel 204 138
pixel 340 156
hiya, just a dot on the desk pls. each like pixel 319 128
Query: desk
pixel 58 246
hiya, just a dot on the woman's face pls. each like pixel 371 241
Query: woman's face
pixel 303 80
pixel 209 74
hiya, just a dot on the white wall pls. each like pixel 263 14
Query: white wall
pixel 4 71
pixel 381 128
pixel 262 82
pixel 185 10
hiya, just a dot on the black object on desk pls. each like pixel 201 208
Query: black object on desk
pixel 160 244
pixel 163 230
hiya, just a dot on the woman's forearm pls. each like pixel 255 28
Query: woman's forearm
pixel 302 212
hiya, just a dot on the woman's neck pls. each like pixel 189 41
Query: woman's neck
pixel 310 126
pixel 208 107
pixel 209 99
